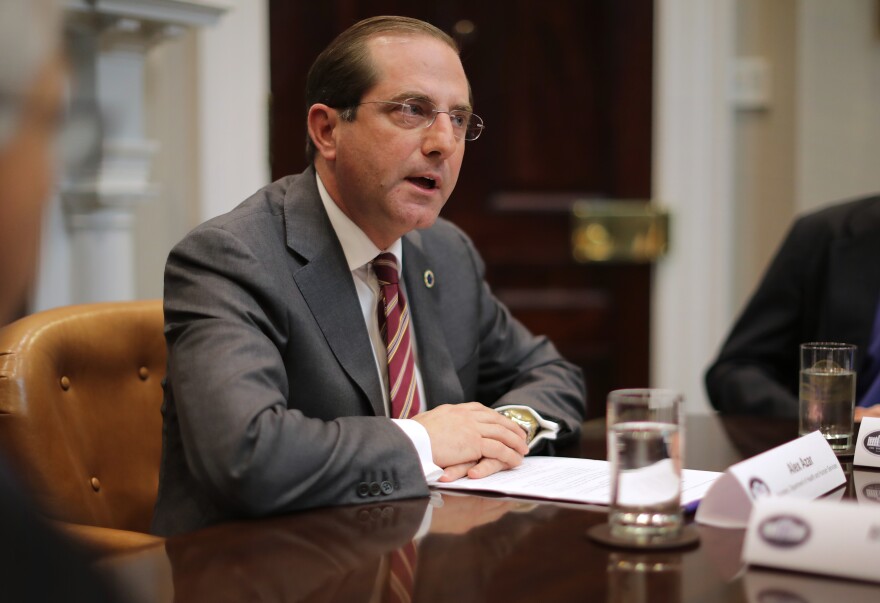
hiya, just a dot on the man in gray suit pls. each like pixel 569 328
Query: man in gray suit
pixel 277 395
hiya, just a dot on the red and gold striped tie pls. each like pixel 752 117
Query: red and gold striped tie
pixel 401 575
pixel 394 324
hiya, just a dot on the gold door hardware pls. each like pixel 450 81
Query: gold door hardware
pixel 619 231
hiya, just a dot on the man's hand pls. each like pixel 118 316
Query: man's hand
pixel 460 514
pixel 870 411
pixel 471 439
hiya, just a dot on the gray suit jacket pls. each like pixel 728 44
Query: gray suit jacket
pixel 272 400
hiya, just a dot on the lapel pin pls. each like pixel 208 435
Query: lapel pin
pixel 429 279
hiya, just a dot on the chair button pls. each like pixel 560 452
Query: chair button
pixel 96 484
pixel 143 372
pixel 65 383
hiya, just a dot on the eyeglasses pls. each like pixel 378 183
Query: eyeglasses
pixel 421 113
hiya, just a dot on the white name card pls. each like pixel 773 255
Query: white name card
pixel 769 586
pixel 819 537
pixel 868 443
pixel 866 484
pixel 803 468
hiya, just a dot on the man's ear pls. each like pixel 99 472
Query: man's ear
pixel 322 122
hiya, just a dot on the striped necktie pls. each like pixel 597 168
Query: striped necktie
pixel 394 324
pixel 401 575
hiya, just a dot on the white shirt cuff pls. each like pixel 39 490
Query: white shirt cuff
pixel 416 432
pixel 547 430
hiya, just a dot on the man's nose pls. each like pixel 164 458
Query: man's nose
pixel 440 136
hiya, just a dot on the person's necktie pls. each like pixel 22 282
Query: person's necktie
pixel 401 575
pixel 394 323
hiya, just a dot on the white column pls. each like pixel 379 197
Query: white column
pixel 99 199
pixel 693 177
pixel 88 254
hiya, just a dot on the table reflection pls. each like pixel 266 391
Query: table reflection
pixel 473 548
pixel 322 555
pixel 639 578
pixel 764 586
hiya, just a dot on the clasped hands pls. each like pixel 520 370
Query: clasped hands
pixel 473 440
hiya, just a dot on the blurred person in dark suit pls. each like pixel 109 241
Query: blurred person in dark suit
pixel 823 285
pixel 36 564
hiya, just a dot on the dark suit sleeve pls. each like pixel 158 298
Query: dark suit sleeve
pixel 231 374
pixel 517 367
pixel 757 369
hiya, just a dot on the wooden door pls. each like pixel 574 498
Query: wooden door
pixel 565 89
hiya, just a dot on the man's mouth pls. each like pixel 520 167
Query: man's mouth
pixel 425 183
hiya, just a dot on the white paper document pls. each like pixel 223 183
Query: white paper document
pixel 803 468
pixel 572 480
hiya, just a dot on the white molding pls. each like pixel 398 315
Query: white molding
pixel 693 167
pixel 193 13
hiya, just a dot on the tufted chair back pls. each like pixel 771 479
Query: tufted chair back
pixel 80 410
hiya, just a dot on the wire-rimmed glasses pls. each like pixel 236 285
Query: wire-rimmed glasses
pixel 421 113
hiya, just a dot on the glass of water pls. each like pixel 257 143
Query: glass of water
pixel 828 392
pixel 645 450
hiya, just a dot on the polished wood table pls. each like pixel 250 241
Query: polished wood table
pixel 479 548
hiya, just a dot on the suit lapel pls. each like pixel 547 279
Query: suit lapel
pixel 327 286
pixel 435 364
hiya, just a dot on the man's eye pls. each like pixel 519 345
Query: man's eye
pixel 413 110
pixel 459 120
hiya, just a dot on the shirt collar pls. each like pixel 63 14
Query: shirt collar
pixel 356 245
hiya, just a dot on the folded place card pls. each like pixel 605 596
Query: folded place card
pixel 866 485
pixel 819 537
pixel 868 443
pixel 768 586
pixel 803 468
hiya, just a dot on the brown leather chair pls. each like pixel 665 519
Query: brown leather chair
pixel 80 415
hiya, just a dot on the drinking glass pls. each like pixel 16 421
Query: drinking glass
pixel 643 578
pixel 645 449
pixel 828 392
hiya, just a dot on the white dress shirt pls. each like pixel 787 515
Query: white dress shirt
pixel 359 251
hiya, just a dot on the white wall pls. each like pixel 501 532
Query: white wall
pixel 172 108
pixel 207 107
pixel 233 89
pixel 764 141
pixel 838 147
pixel 692 176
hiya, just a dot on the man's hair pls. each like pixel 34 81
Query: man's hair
pixel 343 72
pixel 29 34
